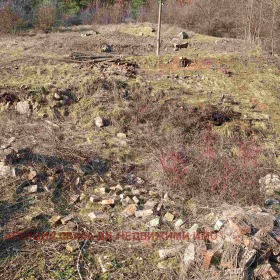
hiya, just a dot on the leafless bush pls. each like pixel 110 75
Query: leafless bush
pixel 46 17
pixel 9 20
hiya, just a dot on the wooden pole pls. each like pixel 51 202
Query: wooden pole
pixel 159 26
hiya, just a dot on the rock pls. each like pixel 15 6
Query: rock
pixel 74 198
pixel 270 202
pixel 178 46
pixel 98 215
pixel 270 185
pixel 23 107
pixel 55 220
pixel 108 202
pixel 179 223
pixel 31 189
pixel 57 96
pixel 184 62
pixel 106 48
pixel 67 218
pixel 121 135
pixel 169 252
pixel 130 210
pixel 135 199
pixel 71 225
pixel 189 256
pixel 169 217
pixel 126 201
pixel 239 225
pixel 72 246
pixel 186 35
pixel 5 171
pixel 11 140
pixel 144 213
pixel 32 175
pixel 193 230
pixel 101 190
pixel 155 222
pixel 150 204
pixel 183 35
pixel 89 33
pixel 99 122
pixel 219 224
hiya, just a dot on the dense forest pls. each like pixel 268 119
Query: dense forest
pixel 253 20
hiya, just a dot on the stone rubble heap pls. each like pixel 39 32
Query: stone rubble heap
pixel 246 246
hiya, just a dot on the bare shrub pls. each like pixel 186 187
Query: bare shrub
pixel 111 14
pixel 9 20
pixel 46 17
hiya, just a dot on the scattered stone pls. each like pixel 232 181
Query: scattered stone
pixel 155 222
pixel 183 35
pixel 150 204
pixel 184 62
pixel 179 46
pixel 239 225
pixel 121 135
pixel 169 217
pixel 135 192
pixel 108 202
pixel 71 225
pixel 169 252
pixel 101 190
pixel 57 96
pixel 74 199
pixel 266 272
pixel 98 215
pixel 270 202
pixel 159 207
pixel 192 231
pixel 32 175
pixel 189 257
pixel 247 257
pixel 270 185
pixel 144 213
pixel 179 223
pixel 31 189
pixel 106 48
pixel 166 197
pixel 186 35
pixel 130 210
pixel 5 171
pixel 219 224
pixel 23 107
pixel 127 201
pixel 67 218
pixel 72 246
pixel 230 256
pixel 55 220
pixel 135 199
pixel 11 140
pixel 89 33
pixel 99 122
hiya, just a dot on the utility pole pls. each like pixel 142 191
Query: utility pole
pixel 159 26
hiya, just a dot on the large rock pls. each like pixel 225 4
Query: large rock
pixel 270 185
pixel 186 35
pixel 23 107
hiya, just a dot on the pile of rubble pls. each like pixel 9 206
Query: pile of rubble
pixel 246 246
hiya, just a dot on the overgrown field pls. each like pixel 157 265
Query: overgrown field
pixel 139 130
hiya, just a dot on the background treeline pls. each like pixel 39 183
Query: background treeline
pixel 253 20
